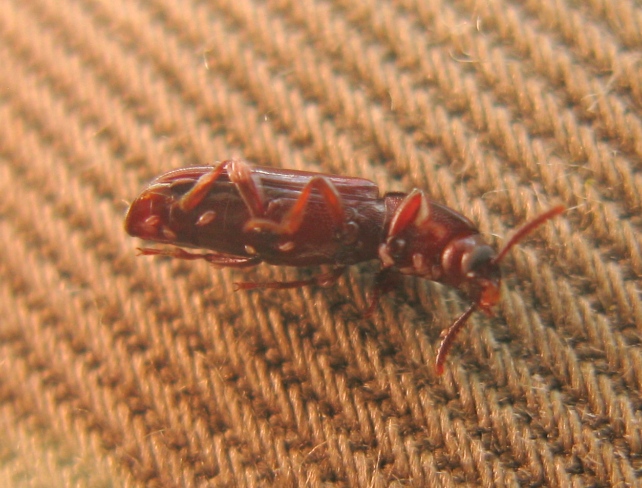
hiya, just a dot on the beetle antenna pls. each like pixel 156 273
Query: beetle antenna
pixel 448 337
pixel 527 228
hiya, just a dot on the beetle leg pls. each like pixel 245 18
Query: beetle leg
pixel 240 174
pixel 386 280
pixel 325 280
pixel 202 186
pixel 215 258
pixel 414 209
pixel 292 220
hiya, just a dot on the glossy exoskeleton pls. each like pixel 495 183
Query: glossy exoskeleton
pixel 244 215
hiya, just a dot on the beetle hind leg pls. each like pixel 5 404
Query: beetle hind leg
pixel 215 258
pixel 324 279
pixel 200 189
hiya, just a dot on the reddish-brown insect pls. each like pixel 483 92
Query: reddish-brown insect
pixel 246 215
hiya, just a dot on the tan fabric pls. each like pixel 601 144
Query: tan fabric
pixel 117 370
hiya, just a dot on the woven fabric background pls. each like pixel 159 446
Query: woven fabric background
pixel 118 370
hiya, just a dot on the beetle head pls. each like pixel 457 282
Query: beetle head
pixel 470 265
pixel 480 276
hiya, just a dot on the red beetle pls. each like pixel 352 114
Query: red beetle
pixel 245 215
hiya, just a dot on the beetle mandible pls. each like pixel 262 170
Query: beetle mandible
pixel 244 215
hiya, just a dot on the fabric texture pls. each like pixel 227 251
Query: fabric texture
pixel 118 370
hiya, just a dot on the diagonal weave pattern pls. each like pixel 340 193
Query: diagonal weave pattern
pixel 125 371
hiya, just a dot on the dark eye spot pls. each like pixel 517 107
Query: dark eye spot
pixel 396 248
pixel 350 233
pixel 477 260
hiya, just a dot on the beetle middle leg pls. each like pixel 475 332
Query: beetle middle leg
pixel 291 223
pixel 293 219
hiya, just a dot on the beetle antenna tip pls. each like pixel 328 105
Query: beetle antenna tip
pixel 448 337
pixel 526 229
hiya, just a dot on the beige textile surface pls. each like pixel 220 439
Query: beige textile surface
pixel 117 370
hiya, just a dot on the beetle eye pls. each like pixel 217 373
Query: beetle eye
pixel 396 247
pixel 476 260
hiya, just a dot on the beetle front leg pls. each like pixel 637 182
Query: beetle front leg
pixel 386 280
pixel 413 211
pixel 291 222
